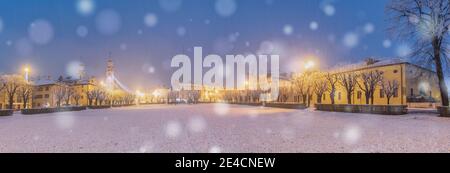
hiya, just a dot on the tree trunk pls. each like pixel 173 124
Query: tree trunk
pixel 11 102
pixel 371 98
pixel 25 101
pixel 332 96
pixel 319 98
pixel 367 98
pixel 349 98
pixel 440 73
pixel 388 100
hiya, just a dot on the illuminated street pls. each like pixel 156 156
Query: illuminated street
pixel 221 128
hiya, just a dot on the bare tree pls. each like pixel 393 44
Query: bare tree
pixel 12 83
pixel 77 97
pixel 25 92
pixel 283 94
pixel 304 86
pixel 320 87
pixel 332 81
pixel 368 83
pixel 298 86
pixel 426 23
pixel 60 91
pixel 90 96
pixel 69 93
pixel 348 81
pixel 2 83
pixel 390 89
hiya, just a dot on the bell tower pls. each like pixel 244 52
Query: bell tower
pixel 110 68
pixel 110 73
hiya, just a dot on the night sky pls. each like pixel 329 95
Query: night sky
pixel 54 36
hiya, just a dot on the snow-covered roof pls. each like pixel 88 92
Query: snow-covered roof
pixel 369 63
pixel 46 81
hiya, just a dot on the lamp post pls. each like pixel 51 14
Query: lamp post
pixel 27 71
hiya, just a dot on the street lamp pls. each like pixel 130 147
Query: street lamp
pixel 27 71
pixel 309 64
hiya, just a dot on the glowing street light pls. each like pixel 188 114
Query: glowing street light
pixel 139 93
pixel 27 71
pixel 309 65
pixel 156 93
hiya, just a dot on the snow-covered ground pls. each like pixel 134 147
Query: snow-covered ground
pixel 222 128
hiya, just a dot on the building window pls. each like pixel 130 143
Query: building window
pixel 47 88
pixel 38 97
pixel 395 71
pixel 359 95
pixel 324 97
pixel 381 93
pixel 47 96
pixel 412 92
pixel 396 93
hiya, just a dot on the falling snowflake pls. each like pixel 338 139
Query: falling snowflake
pixel 352 135
pixel 329 10
pixel 215 149
pixel 173 129
pixel 74 69
pixel 170 5
pixel 123 46
pixel 147 147
pixel 369 28
pixel 351 40
pixel 225 8
pixel 313 25
pixel 1 25
pixel 288 29
pixel 197 124
pixel 414 19
pixel 403 50
pixel 150 20
pixel 221 109
pixel 108 22
pixel 85 7
pixel 151 70
pixel 64 121
pixel 387 43
pixel 253 113
pixel 140 32
pixel 9 43
pixel 82 31
pixel 181 31
pixel 41 32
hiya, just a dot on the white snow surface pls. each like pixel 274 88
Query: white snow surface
pixel 144 129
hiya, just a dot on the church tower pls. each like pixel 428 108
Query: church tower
pixel 110 74
pixel 110 68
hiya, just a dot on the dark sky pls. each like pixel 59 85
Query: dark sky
pixel 53 36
